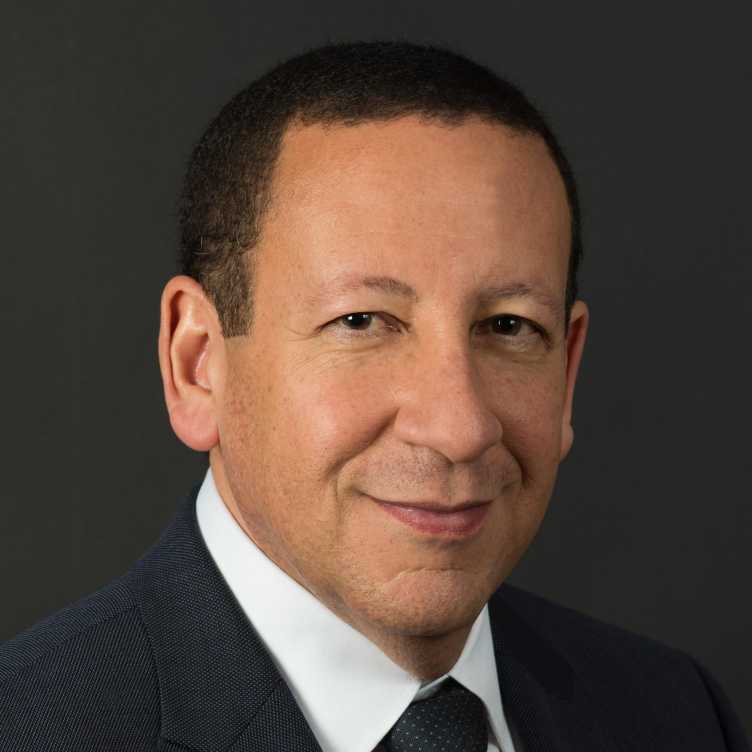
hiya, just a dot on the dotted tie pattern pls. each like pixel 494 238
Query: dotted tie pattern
pixel 452 720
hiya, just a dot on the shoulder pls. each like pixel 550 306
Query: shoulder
pixel 88 666
pixel 571 629
pixel 586 642
pixel 623 670
pixel 55 636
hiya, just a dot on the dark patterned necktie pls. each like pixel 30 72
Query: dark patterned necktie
pixel 452 720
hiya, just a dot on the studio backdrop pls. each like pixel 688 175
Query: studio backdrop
pixel 650 523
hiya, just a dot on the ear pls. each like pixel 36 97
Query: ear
pixel 191 360
pixel 578 325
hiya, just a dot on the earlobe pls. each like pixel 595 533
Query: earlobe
pixel 190 340
pixel 578 326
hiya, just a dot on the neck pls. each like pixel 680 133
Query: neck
pixel 424 657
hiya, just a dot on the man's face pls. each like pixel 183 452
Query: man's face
pixel 395 357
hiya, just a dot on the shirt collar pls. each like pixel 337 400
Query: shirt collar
pixel 349 691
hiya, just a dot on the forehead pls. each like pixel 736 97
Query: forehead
pixel 495 160
pixel 413 192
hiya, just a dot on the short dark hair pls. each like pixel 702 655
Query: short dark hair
pixel 226 190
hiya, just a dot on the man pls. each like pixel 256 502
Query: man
pixel 376 340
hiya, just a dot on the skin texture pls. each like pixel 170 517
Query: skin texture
pixel 442 395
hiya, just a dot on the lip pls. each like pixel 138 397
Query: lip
pixel 459 521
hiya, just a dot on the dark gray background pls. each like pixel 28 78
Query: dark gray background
pixel 649 526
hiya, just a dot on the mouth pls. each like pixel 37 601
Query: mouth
pixel 432 518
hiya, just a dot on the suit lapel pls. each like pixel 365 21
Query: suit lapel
pixel 548 704
pixel 219 687
pixel 279 726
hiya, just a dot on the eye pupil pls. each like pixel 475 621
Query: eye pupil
pixel 506 324
pixel 357 320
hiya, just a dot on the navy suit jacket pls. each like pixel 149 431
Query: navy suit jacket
pixel 164 659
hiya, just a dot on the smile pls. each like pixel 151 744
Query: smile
pixel 462 520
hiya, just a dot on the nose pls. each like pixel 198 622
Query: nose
pixel 442 406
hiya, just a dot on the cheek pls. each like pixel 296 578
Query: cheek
pixel 336 415
pixel 529 405
pixel 289 432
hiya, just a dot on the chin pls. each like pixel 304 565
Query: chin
pixel 428 603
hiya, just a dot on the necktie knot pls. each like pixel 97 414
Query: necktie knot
pixel 452 720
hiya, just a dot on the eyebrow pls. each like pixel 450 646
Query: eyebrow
pixel 388 285
pixel 491 295
pixel 487 296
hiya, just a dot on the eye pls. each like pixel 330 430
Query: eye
pixel 515 329
pixel 510 326
pixel 363 323
pixel 357 321
pixel 507 325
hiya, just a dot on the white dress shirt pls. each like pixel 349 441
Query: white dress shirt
pixel 349 691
